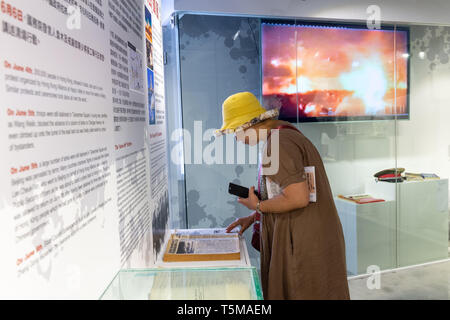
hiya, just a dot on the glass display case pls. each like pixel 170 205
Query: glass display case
pixel 394 79
pixel 185 284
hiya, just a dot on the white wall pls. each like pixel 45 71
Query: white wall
pixel 83 193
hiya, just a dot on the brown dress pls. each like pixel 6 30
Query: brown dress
pixel 302 251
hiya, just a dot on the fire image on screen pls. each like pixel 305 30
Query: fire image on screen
pixel 324 73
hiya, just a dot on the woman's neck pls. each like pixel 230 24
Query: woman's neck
pixel 273 124
pixel 268 125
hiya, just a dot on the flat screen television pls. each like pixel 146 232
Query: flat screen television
pixel 335 72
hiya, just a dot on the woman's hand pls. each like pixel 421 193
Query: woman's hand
pixel 252 200
pixel 243 222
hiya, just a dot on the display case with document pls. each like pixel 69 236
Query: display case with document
pixel 185 284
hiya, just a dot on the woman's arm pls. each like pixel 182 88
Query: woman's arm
pixel 294 196
pixel 245 223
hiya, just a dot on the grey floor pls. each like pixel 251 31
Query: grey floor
pixel 418 283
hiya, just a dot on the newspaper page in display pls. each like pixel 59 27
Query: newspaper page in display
pixel 201 232
pixel 202 246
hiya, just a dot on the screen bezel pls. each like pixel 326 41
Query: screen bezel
pixel 297 22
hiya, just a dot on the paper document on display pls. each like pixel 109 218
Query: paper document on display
pixel 204 245
pixel 200 232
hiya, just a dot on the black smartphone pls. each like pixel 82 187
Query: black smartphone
pixel 240 191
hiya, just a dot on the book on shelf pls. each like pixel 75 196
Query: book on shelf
pixel 202 245
pixel 360 198
pixel 420 176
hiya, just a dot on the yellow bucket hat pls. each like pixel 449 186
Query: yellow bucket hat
pixel 241 111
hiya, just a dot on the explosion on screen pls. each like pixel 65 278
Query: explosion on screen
pixel 314 71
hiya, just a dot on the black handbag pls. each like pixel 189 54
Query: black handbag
pixel 256 236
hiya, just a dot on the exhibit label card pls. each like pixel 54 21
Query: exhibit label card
pixel 311 179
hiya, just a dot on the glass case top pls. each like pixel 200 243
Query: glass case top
pixel 185 284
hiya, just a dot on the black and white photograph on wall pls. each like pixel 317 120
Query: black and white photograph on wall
pixel 136 68
pixel 159 222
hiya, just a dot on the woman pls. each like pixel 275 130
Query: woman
pixel 301 240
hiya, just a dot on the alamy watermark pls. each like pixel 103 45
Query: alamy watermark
pixel 374 280
pixel 374 17
pixel 73 277
pixel 229 149
pixel 74 19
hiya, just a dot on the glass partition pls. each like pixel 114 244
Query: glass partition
pixel 219 56
pixel 423 147
pixel 345 89
pixel 174 123
pixel 371 101
pixel 185 284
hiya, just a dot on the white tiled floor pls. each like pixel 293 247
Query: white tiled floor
pixel 424 282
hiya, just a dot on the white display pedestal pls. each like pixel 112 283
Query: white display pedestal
pixel 422 209
pixel 369 233
pixel 243 262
